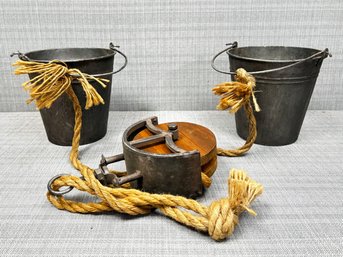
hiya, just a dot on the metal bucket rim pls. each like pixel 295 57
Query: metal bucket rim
pixel 111 53
pixel 270 60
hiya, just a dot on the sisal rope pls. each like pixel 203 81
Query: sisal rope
pixel 234 95
pixel 53 79
pixel 218 219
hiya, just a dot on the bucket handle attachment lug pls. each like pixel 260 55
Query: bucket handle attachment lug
pixel 20 55
pixel 111 46
pixel 324 53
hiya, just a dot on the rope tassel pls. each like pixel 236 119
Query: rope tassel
pixel 235 95
pixel 53 79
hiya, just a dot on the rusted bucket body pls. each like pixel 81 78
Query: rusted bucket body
pixel 59 118
pixel 285 79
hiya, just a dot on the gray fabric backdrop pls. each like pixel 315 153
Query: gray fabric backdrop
pixel 170 44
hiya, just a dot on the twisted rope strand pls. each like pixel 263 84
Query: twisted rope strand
pixel 235 95
pixel 53 79
pixel 218 219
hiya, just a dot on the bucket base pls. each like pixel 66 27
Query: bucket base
pixel 272 129
pixel 85 141
pixel 59 120
pixel 266 143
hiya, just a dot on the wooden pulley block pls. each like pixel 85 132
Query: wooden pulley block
pixel 191 137
pixel 164 158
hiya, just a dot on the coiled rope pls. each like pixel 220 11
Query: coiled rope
pixel 218 219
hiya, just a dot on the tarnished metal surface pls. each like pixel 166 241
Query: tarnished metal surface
pixel 285 79
pixel 178 173
pixel 59 119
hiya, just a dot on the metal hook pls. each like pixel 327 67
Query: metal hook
pixel 58 193
pixel 20 55
pixel 112 46
pixel 327 53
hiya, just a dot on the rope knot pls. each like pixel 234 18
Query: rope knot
pixel 52 79
pixel 221 219
pixel 236 94
pixel 223 213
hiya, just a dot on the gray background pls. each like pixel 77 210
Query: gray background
pixel 170 44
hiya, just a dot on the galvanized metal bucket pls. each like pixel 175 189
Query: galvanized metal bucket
pixel 59 118
pixel 285 79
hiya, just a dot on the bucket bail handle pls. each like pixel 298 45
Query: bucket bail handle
pixel 114 48
pixel 324 53
pixel 231 46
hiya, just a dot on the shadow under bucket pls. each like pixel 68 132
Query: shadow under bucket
pixel 59 118
pixel 285 79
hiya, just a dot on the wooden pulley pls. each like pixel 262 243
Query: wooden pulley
pixel 191 137
pixel 164 158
